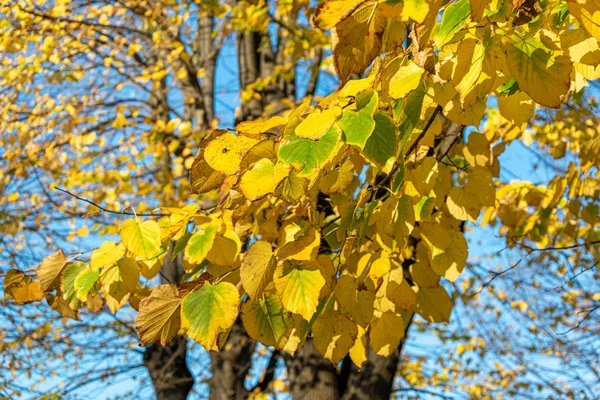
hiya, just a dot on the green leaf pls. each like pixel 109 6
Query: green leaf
pixel 84 282
pixel 267 321
pixel 382 144
pixel 210 311
pixel 142 238
pixel 200 244
pixel 68 284
pixel 358 125
pixel 308 155
pixel 453 20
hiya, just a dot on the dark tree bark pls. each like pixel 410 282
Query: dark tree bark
pixel 230 366
pixel 311 376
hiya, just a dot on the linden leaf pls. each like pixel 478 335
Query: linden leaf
pixel 257 268
pixel 308 155
pixel 304 248
pixel 203 178
pixel 448 250
pixel 358 352
pixel 334 335
pixel 267 321
pixel 338 180
pixel 120 279
pixel 50 269
pixel 108 253
pixel 225 249
pixel 12 278
pixel 330 13
pixel 539 71
pixel 292 187
pixel 356 303
pixel 453 19
pixel 359 125
pixel 475 70
pixel 142 238
pixel 317 123
pixel 588 13
pixel 262 179
pixel 257 127
pixel 434 304
pixel 395 294
pixel 299 286
pixel 405 80
pixel 159 318
pixel 224 154
pixel 200 244
pixel 84 282
pixel 210 311
pixel 382 144
pixel 68 284
pixel 27 291
pixel 386 332
pixel 356 40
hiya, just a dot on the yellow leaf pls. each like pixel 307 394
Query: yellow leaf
pixel 159 318
pixel 544 74
pixel 386 332
pixel 317 123
pixel 334 335
pixel 257 268
pixel 50 269
pixel 258 127
pixel 142 238
pixel 27 291
pixel 262 179
pixel 358 352
pixel 304 248
pixel 475 70
pixel 108 253
pixel 407 79
pixel 224 154
pixel 225 249
pixel 448 250
pixel 434 304
pixel 478 151
pixel 588 13
pixel 330 13
pixel 338 180
pixel 299 286
pixel 120 279
pixel 356 40
pixel 358 304
pixel 395 294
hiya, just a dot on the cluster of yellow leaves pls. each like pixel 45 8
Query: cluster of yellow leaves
pixel 339 219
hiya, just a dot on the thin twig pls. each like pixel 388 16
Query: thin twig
pixel 107 209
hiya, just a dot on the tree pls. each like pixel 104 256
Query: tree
pixel 324 226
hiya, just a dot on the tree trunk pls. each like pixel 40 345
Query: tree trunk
pixel 230 366
pixel 311 376
pixel 171 378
